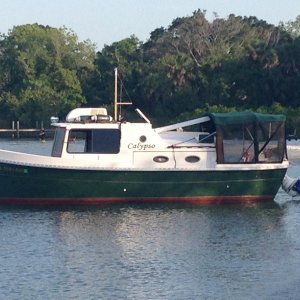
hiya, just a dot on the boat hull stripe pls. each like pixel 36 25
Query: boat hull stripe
pixel 204 200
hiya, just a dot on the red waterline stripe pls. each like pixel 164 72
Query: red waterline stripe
pixel 201 200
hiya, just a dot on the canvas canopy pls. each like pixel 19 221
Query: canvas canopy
pixel 244 117
pixel 249 137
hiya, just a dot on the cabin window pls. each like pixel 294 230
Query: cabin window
pixel 58 142
pixel 143 139
pixel 161 159
pixel 104 141
pixel 78 141
pixel 192 159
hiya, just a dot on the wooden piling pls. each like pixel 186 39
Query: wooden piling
pixel 18 129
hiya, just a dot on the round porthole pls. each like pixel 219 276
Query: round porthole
pixel 192 159
pixel 160 159
pixel 143 139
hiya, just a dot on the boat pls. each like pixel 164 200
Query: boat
pixel 100 159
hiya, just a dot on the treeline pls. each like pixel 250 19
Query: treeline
pixel 194 65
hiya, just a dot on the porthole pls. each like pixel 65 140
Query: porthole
pixel 192 159
pixel 160 159
pixel 143 139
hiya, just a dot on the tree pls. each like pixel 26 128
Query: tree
pixel 292 27
pixel 42 72
pixel 126 55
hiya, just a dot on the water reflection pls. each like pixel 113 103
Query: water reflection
pixel 153 252
pixel 166 251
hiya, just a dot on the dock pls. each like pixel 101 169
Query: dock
pixel 17 132
pixel 25 133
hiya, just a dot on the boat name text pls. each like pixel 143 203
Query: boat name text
pixel 140 146
pixel 11 169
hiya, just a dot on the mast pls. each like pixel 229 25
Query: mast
pixel 116 118
pixel 116 95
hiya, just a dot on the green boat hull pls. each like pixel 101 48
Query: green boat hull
pixel 36 185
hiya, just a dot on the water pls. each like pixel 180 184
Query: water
pixel 151 251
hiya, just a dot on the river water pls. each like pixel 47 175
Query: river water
pixel 166 251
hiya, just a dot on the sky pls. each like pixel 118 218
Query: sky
pixel 106 21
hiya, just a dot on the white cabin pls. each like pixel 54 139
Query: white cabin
pixel 91 135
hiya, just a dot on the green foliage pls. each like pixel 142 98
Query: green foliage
pixel 292 27
pixel 40 72
pixel 191 67
pixel 292 114
pixel 240 63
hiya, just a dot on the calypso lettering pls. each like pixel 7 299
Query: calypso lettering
pixel 140 146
